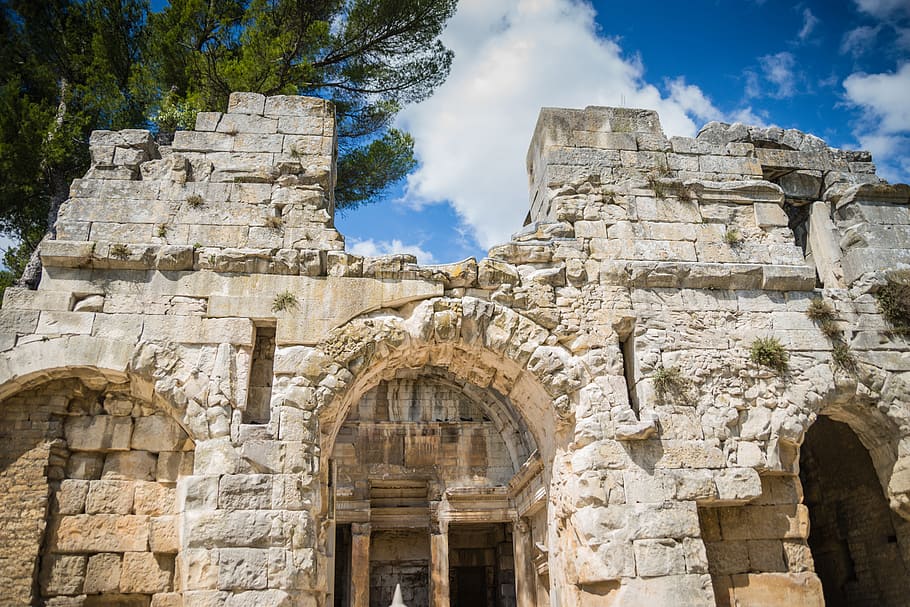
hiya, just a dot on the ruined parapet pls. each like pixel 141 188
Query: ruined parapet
pixel 250 190
pixel 736 207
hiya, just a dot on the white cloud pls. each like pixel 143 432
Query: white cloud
pixel 809 23
pixel 511 58
pixel 884 128
pixel 778 69
pixel 859 40
pixel 375 248
pixel 884 9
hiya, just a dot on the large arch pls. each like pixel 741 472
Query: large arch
pixel 476 343
pixel 88 470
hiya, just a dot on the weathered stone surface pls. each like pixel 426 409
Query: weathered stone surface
pixel 205 377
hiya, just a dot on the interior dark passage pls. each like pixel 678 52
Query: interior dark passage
pixel 855 538
pixel 481 566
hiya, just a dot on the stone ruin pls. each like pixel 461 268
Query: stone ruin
pixel 673 386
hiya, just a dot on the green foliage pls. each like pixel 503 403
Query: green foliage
pixel 820 310
pixel 72 66
pixel 369 57
pixel 894 302
pixel 668 380
pixel 843 357
pixel 660 188
pixel 119 251
pixel 732 237
pixel 174 114
pixel 284 301
pixel 273 223
pixel 195 201
pixel 161 230
pixel 768 352
pixel 368 170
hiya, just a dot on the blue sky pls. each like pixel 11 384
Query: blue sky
pixel 839 69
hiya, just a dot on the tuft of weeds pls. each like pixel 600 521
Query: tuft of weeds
pixel 284 301
pixel 769 352
pixel 894 303
pixel 820 311
pixel 732 237
pixel 162 230
pixel 668 380
pixel 273 223
pixel 842 357
pixel 120 251
pixel 661 189
pixel 829 329
pixel 194 201
pixel 684 194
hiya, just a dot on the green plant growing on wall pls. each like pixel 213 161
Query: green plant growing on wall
pixel 273 223
pixel 819 310
pixel 284 301
pixel 894 303
pixel 119 251
pixel 732 237
pixel 162 230
pixel 661 189
pixel 668 381
pixel 842 357
pixel 194 201
pixel 769 352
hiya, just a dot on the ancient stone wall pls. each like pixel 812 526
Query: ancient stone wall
pixel 207 401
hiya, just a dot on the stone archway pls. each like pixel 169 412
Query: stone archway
pixel 858 544
pixel 88 472
pixel 473 343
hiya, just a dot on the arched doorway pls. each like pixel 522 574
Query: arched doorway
pixel 422 469
pixel 860 547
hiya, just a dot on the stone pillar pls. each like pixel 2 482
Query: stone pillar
pixel 360 565
pixel 439 564
pixel 525 575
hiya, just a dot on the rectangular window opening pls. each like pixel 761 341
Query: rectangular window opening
pixel 627 351
pixel 261 371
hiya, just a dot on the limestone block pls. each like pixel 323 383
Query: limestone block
pixel 71 496
pixel 727 164
pixel 85 466
pixel 245 492
pixel 158 433
pixel 234 123
pixel 654 209
pixel 154 498
pixel 301 125
pixel 198 570
pixel 207 121
pixel 103 573
pixel 167 599
pixel 198 492
pixel 769 215
pixel 766 555
pixel 130 465
pixel 101 533
pixel 294 105
pixel 771 589
pixel 172 465
pixel 109 497
pixel 641 487
pixel 61 574
pixel 216 456
pixel 246 103
pixel 659 557
pixel 258 142
pixel 205 598
pixel 211 528
pixel 98 433
pixel 197 141
pixel 727 557
pixel 788 278
pixel 765 522
pixel 267 598
pixel 668 520
pixel 163 536
pixel 243 569
pixel 737 484
pixel 146 572
pixel 676 590
pixel 65 323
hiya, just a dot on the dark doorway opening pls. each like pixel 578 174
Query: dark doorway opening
pixel 343 566
pixel 481 566
pixel 854 536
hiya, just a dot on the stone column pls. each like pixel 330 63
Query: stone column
pixel 439 564
pixel 525 575
pixel 360 565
